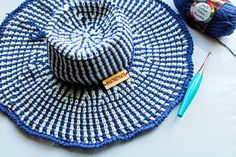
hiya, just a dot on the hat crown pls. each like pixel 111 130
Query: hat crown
pixel 88 42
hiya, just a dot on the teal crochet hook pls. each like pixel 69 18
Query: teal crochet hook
pixel 192 88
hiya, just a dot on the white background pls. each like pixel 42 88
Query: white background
pixel 208 128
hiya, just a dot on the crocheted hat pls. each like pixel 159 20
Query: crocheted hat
pixel 88 73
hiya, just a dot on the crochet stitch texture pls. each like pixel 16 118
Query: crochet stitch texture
pixel 55 53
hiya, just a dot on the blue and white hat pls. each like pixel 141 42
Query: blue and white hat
pixel 88 73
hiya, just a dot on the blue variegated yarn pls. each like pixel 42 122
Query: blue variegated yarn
pixel 54 55
pixel 223 22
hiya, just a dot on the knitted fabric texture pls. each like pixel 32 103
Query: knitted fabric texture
pixel 54 55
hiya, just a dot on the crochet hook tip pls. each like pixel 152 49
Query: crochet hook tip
pixel 201 70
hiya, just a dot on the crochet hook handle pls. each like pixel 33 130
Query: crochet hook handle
pixel 192 88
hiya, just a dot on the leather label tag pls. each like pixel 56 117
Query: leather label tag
pixel 116 79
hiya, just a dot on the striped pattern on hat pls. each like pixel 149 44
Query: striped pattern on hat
pixel 88 42
pixel 153 45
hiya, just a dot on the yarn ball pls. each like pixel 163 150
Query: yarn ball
pixel 223 22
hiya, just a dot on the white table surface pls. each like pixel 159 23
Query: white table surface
pixel 208 128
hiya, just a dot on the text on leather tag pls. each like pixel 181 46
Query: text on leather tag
pixel 116 79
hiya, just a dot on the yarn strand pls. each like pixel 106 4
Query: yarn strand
pixel 225 46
